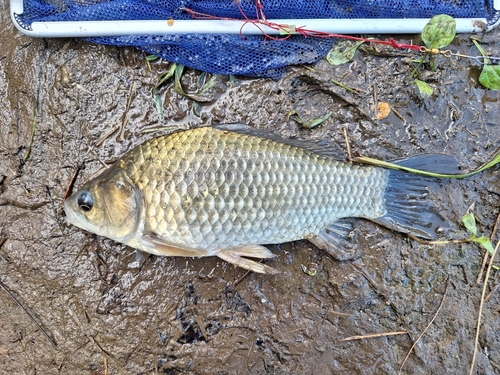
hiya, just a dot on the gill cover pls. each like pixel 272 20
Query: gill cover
pixel 109 205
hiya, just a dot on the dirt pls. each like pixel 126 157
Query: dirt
pixel 75 303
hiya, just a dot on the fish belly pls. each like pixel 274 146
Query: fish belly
pixel 216 190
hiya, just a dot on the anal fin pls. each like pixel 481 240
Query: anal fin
pixel 339 240
pixel 235 256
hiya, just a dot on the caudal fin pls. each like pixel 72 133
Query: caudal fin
pixel 408 207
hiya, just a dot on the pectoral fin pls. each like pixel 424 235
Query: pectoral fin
pixel 339 240
pixel 235 256
pixel 159 246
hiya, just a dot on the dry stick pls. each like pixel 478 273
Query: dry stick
pixel 485 285
pixel 71 183
pixel 124 122
pixel 103 263
pixel 426 328
pixel 481 270
pixel 491 293
pixel 398 114
pixel 241 278
pixel 348 147
pixel 371 335
pixel 105 365
pixel 495 227
pixel 29 314
pixel 106 135
pixel 485 257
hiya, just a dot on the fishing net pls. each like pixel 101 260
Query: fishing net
pixel 255 55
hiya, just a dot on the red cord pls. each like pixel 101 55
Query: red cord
pixel 261 20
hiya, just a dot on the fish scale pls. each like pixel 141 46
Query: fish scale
pixel 247 189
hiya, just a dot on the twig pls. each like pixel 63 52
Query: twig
pixel 241 278
pixel 495 227
pixel 58 218
pixel 101 260
pixel 21 305
pixel 368 278
pixel 124 122
pixel 107 135
pixel 494 364
pixel 486 254
pixel 438 242
pixel 426 328
pixel 354 90
pixel 398 114
pixel 71 182
pixel 490 265
pixel 371 335
pixel 481 270
pixel 491 293
pixel 348 147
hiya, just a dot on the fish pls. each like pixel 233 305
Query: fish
pixel 230 189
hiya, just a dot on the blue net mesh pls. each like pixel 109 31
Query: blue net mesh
pixel 232 54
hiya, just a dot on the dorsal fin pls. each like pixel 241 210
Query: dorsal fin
pixel 318 148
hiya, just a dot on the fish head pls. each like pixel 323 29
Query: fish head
pixel 110 205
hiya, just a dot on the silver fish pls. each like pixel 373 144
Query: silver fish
pixel 225 191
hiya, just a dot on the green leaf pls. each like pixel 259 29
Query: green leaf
pixel 469 222
pixel 308 124
pixel 385 164
pixel 490 77
pixel 481 50
pixel 151 57
pixel 439 31
pixel 199 97
pixel 486 243
pixel 165 77
pixel 288 30
pixel 424 89
pixel 342 52
pixel 293 112
pixel 197 109
pixel 159 105
pixel 208 85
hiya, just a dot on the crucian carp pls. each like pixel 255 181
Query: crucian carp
pixel 228 190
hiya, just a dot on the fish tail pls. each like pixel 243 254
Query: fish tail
pixel 407 203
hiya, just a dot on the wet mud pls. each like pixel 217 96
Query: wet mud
pixel 75 303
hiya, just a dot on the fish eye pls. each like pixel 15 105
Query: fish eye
pixel 84 201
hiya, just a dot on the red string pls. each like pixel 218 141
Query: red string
pixel 285 29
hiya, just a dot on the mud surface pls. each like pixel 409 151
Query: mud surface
pixel 101 313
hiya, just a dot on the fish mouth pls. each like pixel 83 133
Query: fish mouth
pixel 71 217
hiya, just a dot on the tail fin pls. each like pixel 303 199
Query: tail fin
pixel 408 209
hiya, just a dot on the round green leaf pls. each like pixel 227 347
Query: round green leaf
pixel 439 31
pixel 469 222
pixel 342 52
pixel 490 77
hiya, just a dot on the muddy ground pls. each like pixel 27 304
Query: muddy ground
pixel 95 312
